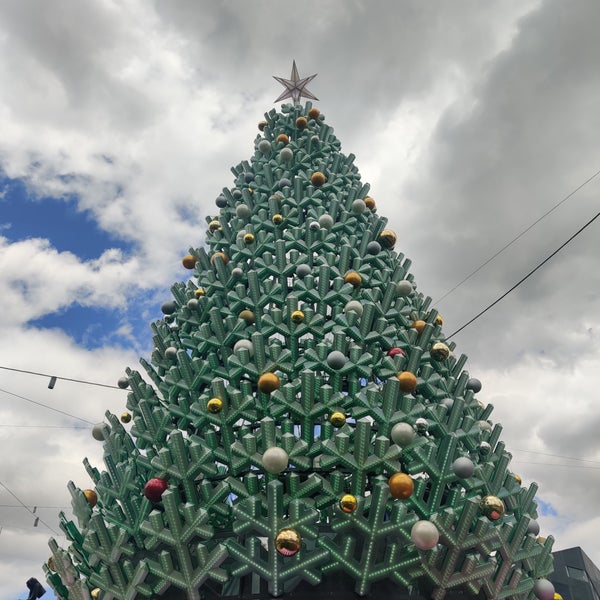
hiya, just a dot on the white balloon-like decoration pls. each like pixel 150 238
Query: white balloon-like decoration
pixel 275 460
pixel 543 589
pixel 425 535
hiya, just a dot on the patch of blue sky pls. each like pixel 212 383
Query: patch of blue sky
pixel 545 509
pixel 23 216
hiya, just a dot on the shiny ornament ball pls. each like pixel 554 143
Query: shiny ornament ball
pixel 268 382
pixel 404 287
pixel 301 123
pixel 354 306
pixel 214 405
pixel 284 182
pixel 283 138
pixel 326 221
pixel 297 316
pixel 419 325
pixel 373 248
pixel 518 478
pixel 408 381
pixel 485 448
pixel 474 384
pixel 369 203
pixel 421 425
pixel 336 359
pixel 359 206
pixel 249 238
pixel 348 503
pixel 286 154
pixel 425 535
pixel 51 564
pixel 402 434
pixel 188 261
pixel 91 497
pixel 484 426
pixel 557 596
pixel 247 315
pixel 125 417
pixel 396 352
pixel 543 589
pixel 154 489
pixel 214 226
pixel 168 307
pixel 237 194
pixel 533 527
pixel 220 255
pixel 95 594
pixel 401 486
pixel 387 238
pixel 314 225
pixel 243 211
pixel 317 179
pixel 439 351
pixel 277 219
pixel 264 146
pixel 337 418
pixel 262 125
pixel 275 460
pixel 438 320
pixel 123 382
pixel 199 292
pixel 492 507
pixel 237 272
pixel 248 177
pixel 244 345
pixel 463 467
pixel 303 270
pixel 97 433
pixel 221 201
pixel 288 542
pixel 171 353
pixel 353 278
pixel 314 113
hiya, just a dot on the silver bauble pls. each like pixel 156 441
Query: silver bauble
pixel 97 433
pixel 474 384
pixel 244 345
pixel 543 589
pixel 326 221
pixel 354 306
pixel 404 288
pixel 336 359
pixel 463 467
pixel 243 211
pixel 533 527
pixel 402 434
pixel 275 460
pixel 425 535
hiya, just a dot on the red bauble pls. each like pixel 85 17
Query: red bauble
pixel 396 351
pixel 153 490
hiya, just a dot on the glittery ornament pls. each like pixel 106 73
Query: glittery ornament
pixel 425 535
pixel 249 238
pixel 247 315
pixel 188 261
pixel 557 596
pixel 277 219
pixel 421 425
pixel 492 507
pixel 463 467
pixel 91 497
pixel 518 478
pixel 387 238
pixel 286 154
pixel 438 320
pixel 439 351
pixel 484 448
pixel 348 503
pixel 288 542
pixel 243 211
pixel 543 589
pixel 268 382
pixel 297 316
pixel 337 419
pixel 154 489
pixel 95 593
pixel 353 278
pixel 326 221
pixel 359 206
pixel 214 226
pixel 314 113
pixel 214 405
pixel 123 382
pixel 262 125
pixel 402 434
pixel 404 288
pixel 275 460
pixel 283 138
pixel 264 146
pixel 314 225
pixel 369 203
pixel 373 248
pixel 401 485
pixel 125 417
pixel 220 255
pixel 301 123
pixel 408 381
pixel 317 179
pixel 419 325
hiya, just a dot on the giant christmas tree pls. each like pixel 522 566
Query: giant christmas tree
pixel 302 421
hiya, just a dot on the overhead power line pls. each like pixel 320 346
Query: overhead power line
pixel 514 287
pixel 518 237
pixel 55 377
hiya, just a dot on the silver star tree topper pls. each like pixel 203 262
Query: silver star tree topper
pixel 295 88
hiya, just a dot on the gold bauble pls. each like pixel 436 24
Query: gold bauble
pixel 125 417
pixel 277 219
pixel 188 261
pixel 408 381
pixel 301 123
pixel 439 351
pixel 318 179
pixel 419 325
pixel 297 316
pixel 51 564
pixel 401 485
pixel 95 593
pixel 348 503
pixel 540 540
pixel 214 226
pixel 91 497
pixel 268 382
pixel 439 321
pixel 518 478
pixel 288 542
pixel 314 113
pixel 284 139
pixel 220 255
pixel 557 596
pixel 262 125
pixel 353 278
pixel 249 238
pixel 247 315
pixel 214 405
pixel 387 238
pixel 492 507
pixel 199 292
pixel 370 202
pixel 337 418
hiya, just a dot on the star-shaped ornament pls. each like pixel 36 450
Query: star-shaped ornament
pixel 295 88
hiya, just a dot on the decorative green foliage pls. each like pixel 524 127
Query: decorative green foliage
pixel 298 281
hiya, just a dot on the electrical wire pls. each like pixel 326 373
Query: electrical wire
pixel 514 287
pixel 518 237
pixel 105 385
pixel 596 462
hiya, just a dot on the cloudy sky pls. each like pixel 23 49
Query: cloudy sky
pixel 120 120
